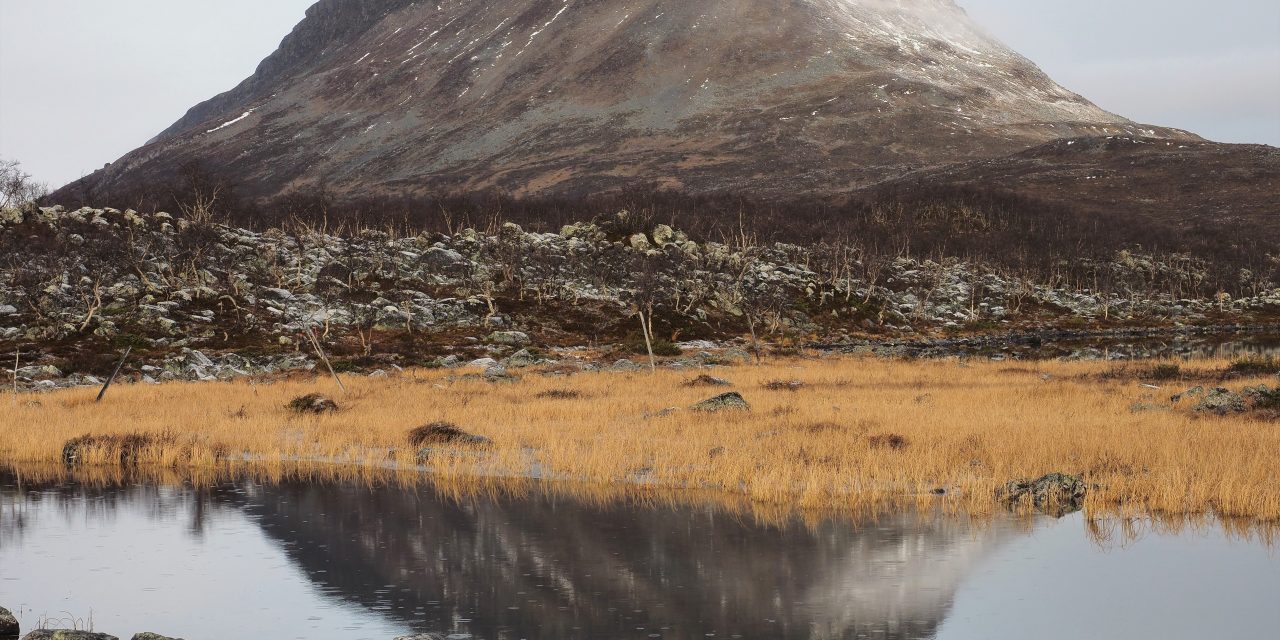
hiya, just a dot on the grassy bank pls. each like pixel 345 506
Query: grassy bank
pixel 852 431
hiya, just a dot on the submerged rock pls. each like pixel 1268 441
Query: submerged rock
pixel 1059 493
pixel 732 401
pixel 8 625
pixel 422 636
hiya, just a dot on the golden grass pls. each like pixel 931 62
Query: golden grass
pixel 858 432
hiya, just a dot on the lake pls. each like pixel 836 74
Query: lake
pixel 337 560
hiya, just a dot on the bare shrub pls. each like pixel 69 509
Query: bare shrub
pixel 888 441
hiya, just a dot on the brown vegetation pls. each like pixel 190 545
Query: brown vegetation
pixel 856 433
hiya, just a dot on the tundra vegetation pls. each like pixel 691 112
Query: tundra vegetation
pixel 256 312
pixel 844 433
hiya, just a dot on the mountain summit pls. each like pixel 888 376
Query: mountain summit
pixel 773 98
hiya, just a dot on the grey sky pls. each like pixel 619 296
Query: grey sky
pixel 84 81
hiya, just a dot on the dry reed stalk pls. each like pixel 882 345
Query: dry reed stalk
pixel 316 343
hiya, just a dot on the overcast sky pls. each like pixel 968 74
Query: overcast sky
pixel 84 81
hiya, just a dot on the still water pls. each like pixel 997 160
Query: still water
pixel 251 560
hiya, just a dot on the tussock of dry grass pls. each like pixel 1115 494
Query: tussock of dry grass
pixel 967 428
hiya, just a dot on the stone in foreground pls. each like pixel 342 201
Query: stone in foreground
pixel 8 625
pixel 732 401
pixel 66 634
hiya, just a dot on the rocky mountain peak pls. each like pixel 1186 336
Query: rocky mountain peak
pixel 774 98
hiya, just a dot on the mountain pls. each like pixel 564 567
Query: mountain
pixel 773 98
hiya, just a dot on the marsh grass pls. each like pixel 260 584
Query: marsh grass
pixel 967 428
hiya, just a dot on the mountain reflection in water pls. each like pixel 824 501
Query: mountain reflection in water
pixel 543 566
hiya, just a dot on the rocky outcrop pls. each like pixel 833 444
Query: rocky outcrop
pixel 209 302
pixel 147 635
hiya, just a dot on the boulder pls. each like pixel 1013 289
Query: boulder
pixel 510 338
pixel 8 625
pixel 66 634
pixel 147 635
pixel 625 365
pixel 522 358
pixel 313 403
pixel 1263 397
pixel 732 401
pixel 198 359
pixel 1221 401
pixel 639 242
pixel 664 235
pixel 440 258
pixel 498 373
pixel 1059 492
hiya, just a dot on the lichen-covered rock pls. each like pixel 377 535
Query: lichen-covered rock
pixel 1263 397
pixel 66 634
pixel 732 401
pixel 510 338
pixel 1222 401
pixel 9 629
pixel 625 365
pixel 522 358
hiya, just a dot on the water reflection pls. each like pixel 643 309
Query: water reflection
pixel 322 560
pixel 548 567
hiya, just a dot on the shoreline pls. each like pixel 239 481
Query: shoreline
pixel 1018 345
